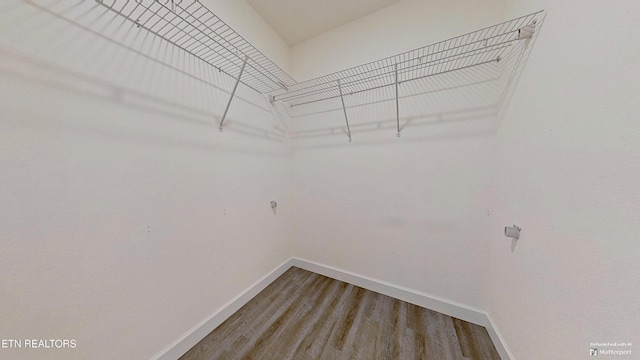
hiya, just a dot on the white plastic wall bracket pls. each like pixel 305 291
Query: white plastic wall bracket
pixel 512 232
pixel 526 32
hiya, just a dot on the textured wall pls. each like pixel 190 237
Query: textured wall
pixel 567 171
pixel 126 217
pixel 410 211
pixel 402 26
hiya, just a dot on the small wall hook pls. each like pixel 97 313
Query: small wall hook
pixel 274 204
pixel 512 232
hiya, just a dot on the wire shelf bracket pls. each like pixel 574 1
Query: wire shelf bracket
pixel 233 93
pixel 397 103
pixel 344 109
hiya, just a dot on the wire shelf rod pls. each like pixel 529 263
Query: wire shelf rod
pixel 383 75
pixel 391 72
pixel 417 70
pixel 406 81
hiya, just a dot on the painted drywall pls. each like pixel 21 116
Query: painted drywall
pixel 410 211
pixel 399 27
pixel 126 217
pixel 398 212
pixel 567 171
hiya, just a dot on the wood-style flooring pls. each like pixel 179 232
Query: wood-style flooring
pixel 303 315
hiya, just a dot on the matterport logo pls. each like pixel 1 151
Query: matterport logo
pixel 610 349
pixel 38 344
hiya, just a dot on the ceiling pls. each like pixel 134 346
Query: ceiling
pixel 298 20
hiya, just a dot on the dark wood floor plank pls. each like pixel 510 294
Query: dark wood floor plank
pixel 306 316
pixel 303 325
pixel 364 348
pixel 384 328
pixel 473 341
pixel 416 323
pixel 314 343
pixel 345 323
pixel 310 339
pixel 366 302
pixel 262 346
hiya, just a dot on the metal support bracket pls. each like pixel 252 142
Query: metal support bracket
pixel 397 104
pixel 344 109
pixel 233 93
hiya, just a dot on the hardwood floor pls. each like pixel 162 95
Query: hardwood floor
pixel 303 315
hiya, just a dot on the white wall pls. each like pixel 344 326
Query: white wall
pixel 399 212
pixel 567 171
pixel 126 217
pixel 402 26
pixel 410 211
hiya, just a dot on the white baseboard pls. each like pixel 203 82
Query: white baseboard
pixel 198 332
pixel 428 301
pixel 498 340
pixel 447 307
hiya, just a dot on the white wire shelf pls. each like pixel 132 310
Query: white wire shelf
pixel 488 48
pixel 190 26
pixel 476 48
